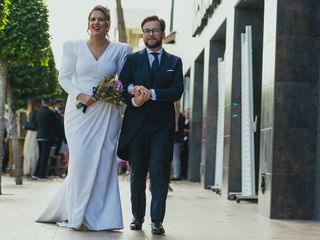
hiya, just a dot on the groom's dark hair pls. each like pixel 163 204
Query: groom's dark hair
pixel 155 18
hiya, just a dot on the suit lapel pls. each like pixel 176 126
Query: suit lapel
pixel 163 66
pixel 144 68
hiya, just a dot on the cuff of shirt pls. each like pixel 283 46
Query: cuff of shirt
pixel 153 95
pixel 134 103
pixel 130 87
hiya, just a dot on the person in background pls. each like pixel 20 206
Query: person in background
pixel 60 137
pixel 59 111
pixel 123 167
pixel 185 145
pixel 46 135
pixel 177 147
pixel 31 147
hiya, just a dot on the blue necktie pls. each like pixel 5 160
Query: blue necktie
pixel 155 63
pixel 154 66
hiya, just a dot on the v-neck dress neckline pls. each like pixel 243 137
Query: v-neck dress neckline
pixel 103 53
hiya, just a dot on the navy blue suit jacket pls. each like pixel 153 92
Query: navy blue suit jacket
pixel 168 87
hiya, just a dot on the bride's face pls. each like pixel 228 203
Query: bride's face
pixel 98 25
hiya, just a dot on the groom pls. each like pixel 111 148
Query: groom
pixel 153 79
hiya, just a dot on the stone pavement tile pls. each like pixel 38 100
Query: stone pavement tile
pixel 192 214
pixel 8 234
pixel 67 234
pixel 46 233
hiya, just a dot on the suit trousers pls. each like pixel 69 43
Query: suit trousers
pixel 150 150
pixel 44 154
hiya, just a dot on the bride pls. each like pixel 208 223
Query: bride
pixel 89 197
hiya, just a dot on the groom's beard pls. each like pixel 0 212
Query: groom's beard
pixel 154 45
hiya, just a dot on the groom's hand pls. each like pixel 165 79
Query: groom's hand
pixel 142 90
pixel 142 95
pixel 135 90
pixel 138 89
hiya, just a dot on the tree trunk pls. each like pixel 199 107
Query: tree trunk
pixel 14 134
pixel 121 23
pixel 171 15
pixel 3 87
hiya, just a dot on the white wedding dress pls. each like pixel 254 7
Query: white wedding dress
pixel 89 195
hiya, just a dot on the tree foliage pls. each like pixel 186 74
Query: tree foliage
pixel 26 37
pixel 31 80
pixel 25 50
pixel 25 42
pixel 4 12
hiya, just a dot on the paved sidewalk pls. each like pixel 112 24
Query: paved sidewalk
pixel 192 214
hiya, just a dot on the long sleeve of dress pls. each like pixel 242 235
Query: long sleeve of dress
pixel 68 65
pixel 127 49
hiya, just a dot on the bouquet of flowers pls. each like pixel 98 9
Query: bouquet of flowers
pixel 108 90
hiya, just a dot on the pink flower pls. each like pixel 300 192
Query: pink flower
pixel 118 85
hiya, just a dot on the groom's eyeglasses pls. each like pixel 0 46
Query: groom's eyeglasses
pixel 149 31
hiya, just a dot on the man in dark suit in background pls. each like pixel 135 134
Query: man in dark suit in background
pixel 59 135
pixel 153 79
pixel 47 128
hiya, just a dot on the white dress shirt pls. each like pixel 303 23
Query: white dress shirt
pixel 151 59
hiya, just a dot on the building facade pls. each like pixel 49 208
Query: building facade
pixel 283 166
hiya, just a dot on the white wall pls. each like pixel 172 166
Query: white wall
pixel 188 47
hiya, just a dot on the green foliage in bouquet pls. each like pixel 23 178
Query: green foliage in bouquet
pixel 108 90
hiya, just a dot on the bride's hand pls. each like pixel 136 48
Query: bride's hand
pixel 141 89
pixel 86 99
pixel 141 98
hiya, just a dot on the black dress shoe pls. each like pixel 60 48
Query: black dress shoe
pixel 157 228
pixel 136 224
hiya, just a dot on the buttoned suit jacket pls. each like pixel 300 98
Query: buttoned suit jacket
pixel 168 87
pixel 47 124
